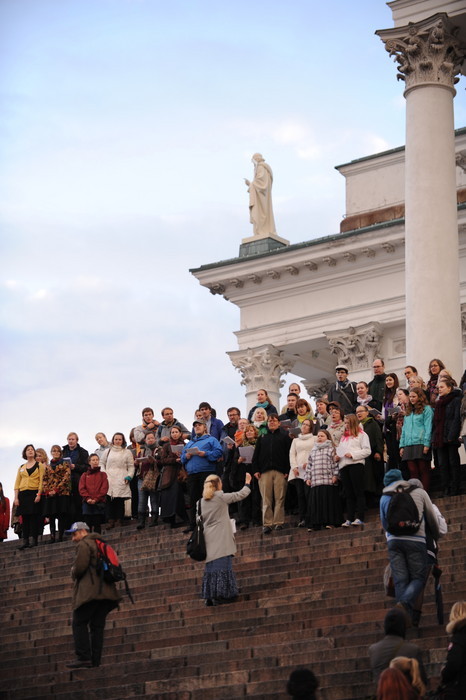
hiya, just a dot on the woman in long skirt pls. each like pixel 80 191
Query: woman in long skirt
pixel 322 476
pixel 219 581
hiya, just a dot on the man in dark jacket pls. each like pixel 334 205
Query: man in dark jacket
pixel 93 599
pixel 343 391
pixel 393 644
pixel 377 384
pixel 79 463
pixel 271 465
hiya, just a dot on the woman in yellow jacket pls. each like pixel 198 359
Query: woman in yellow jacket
pixel 28 489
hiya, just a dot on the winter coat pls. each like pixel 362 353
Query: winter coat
pixel 270 408
pixel 371 427
pixel 299 453
pixel 213 452
pixel 81 463
pixel 218 533
pixel 57 479
pixel 4 518
pixel 451 421
pixel 321 467
pixel 417 428
pixel 94 485
pixel 118 463
pixel 272 452
pixel 345 394
pixel 88 585
pixel 454 670
pixel 424 506
pixel 359 447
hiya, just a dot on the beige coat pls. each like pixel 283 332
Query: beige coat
pixel 118 463
pixel 218 533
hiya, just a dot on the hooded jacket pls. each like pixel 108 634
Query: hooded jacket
pixel 424 507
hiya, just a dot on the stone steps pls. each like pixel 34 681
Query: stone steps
pixel 313 599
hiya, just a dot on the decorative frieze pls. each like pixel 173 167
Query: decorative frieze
pixel 331 262
pixel 356 347
pixel 274 274
pixel 292 269
pixel 311 265
pixel 426 52
pixel 388 247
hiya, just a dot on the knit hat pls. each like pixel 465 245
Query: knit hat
pixel 391 476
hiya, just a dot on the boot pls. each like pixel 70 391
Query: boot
pixel 141 522
pixel 154 521
pixel 110 524
pixel 25 544
pixel 34 542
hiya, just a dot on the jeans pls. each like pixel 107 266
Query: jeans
pixel 408 561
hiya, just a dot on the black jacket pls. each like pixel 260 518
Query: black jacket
pixel 272 452
pixel 454 670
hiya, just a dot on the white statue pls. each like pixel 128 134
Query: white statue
pixel 260 198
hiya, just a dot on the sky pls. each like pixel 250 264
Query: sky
pixel 126 129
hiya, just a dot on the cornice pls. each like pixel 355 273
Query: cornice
pixel 336 258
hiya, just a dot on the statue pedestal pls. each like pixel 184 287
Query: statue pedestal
pixel 257 245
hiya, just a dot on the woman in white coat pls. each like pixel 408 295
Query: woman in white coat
pixel 118 464
pixel 299 454
pixel 219 581
pixel 352 451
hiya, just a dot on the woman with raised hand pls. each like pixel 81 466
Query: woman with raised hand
pixel 219 581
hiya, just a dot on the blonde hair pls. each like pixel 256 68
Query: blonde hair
pixel 457 614
pixel 410 668
pixel 41 456
pixel 211 485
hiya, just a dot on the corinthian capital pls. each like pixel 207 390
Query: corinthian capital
pixel 356 347
pixel 426 52
pixel 261 367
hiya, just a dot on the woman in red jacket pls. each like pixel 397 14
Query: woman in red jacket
pixel 4 515
pixel 93 487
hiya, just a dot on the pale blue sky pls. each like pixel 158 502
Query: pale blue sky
pixel 126 129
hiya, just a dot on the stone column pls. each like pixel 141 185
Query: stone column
pixel 429 57
pixel 261 368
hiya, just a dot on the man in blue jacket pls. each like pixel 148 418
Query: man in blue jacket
pixel 200 458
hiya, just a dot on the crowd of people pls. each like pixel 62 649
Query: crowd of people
pixel 363 443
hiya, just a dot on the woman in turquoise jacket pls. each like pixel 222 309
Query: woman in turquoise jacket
pixel 416 437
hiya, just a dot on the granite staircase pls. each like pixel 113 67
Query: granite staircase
pixel 307 599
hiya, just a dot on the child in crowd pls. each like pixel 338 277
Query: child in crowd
pixel 324 509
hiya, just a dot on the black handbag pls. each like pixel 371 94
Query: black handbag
pixel 196 548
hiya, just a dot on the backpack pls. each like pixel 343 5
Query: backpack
pixel 108 566
pixel 402 513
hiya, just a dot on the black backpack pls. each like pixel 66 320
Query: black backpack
pixel 402 514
